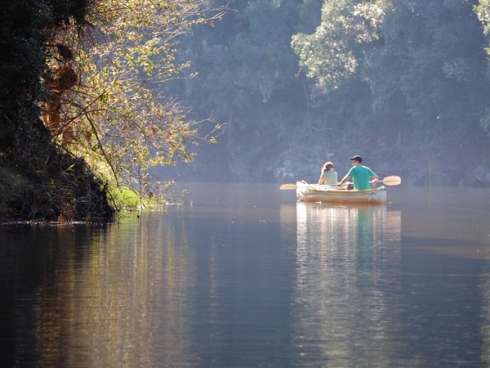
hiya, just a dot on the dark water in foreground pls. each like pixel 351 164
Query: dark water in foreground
pixel 247 278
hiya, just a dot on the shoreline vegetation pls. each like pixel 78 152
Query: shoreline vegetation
pixel 123 200
pixel 79 124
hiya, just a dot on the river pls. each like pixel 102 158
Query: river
pixel 242 276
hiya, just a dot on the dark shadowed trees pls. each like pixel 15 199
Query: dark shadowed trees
pixel 37 180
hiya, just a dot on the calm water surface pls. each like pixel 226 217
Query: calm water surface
pixel 245 277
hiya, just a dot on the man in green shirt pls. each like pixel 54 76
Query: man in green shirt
pixel 361 175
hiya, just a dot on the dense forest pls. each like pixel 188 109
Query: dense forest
pixel 296 82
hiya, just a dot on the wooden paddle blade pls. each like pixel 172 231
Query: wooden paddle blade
pixel 288 187
pixel 391 181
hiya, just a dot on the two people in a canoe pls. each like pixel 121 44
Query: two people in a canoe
pixel 362 176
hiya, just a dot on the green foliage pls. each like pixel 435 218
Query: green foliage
pixel 115 113
pixel 124 198
pixel 331 54
pixel 482 10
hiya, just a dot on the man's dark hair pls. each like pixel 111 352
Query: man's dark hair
pixel 356 158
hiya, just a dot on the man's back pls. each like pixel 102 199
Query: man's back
pixel 361 176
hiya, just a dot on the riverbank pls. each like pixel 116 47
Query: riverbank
pixel 122 201
pixel 38 180
pixel 63 191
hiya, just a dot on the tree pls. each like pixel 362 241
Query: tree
pixel 114 113
pixel 299 82
pixel 421 63
pixel 482 10
pixel 333 52
pixel 37 180
pixel 247 79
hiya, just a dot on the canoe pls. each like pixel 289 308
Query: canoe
pixel 323 193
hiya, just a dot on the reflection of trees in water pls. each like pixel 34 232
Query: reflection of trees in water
pixel 37 318
pixel 124 304
pixel 347 262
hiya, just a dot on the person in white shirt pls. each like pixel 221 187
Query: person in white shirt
pixel 328 175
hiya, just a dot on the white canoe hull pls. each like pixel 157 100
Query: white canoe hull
pixel 323 193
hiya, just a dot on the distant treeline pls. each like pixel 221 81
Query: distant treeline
pixel 297 82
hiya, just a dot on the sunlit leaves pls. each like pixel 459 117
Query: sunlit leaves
pixel 482 10
pixel 331 54
pixel 127 55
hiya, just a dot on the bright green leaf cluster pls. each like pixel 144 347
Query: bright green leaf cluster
pixel 331 54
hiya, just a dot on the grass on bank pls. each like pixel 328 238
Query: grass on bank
pixel 125 199
pixel 122 198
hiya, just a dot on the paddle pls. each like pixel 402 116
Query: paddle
pixel 389 181
pixel 392 181
pixel 288 187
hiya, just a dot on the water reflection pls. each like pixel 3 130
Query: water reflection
pixel 108 302
pixel 346 277
pixel 139 287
